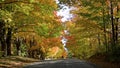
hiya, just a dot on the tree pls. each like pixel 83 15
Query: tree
pixel 27 18
pixel 8 9
pixel 93 21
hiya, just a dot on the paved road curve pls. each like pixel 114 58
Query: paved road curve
pixel 68 63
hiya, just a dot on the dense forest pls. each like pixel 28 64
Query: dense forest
pixel 94 28
pixel 32 28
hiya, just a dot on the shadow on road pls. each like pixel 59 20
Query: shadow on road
pixel 63 63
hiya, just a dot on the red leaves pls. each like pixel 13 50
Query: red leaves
pixel 71 40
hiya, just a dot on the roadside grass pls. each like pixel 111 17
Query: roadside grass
pixel 15 61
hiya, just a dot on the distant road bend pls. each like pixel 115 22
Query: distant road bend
pixel 65 63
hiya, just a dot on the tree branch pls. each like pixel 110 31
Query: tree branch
pixel 15 1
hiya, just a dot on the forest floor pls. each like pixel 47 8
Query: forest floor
pixel 15 61
pixel 103 63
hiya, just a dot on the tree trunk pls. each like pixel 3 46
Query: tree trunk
pixel 3 48
pixel 3 37
pixel 112 24
pixel 17 43
pixel 116 31
pixel 8 41
pixel 116 26
pixel 99 41
pixel 104 27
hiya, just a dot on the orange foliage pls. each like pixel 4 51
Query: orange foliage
pixel 52 41
pixel 54 50
pixel 64 55
pixel 71 40
pixel 46 44
pixel 58 18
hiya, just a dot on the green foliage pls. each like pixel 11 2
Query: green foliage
pixel 43 30
pixel 70 54
pixel 84 49
pixel 118 15
pixel 23 50
pixel 32 1
pixel 6 16
pixel 28 19
pixel 2 1
pixel 44 9
pixel 92 19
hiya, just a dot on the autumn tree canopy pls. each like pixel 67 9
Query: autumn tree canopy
pixel 95 27
pixel 26 25
pixel 32 28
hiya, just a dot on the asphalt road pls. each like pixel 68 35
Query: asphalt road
pixel 65 63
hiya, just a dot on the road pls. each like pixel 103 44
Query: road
pixel 64 63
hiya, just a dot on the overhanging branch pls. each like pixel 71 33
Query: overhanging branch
pixel 15 1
